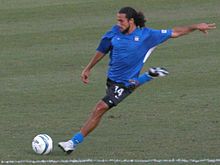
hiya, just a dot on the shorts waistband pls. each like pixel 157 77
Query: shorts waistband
pixel 132 87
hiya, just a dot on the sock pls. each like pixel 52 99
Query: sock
pixel 135 82
pixel 77 138
pixel 145 77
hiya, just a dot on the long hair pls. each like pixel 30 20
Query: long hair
pixel 139 18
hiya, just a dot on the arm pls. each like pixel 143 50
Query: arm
pixel 85 73
pixel 203 27
pixel 103 48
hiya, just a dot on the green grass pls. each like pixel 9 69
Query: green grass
pixel 44 46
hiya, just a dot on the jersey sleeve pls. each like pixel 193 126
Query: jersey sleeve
pixel 160 36
pixel 105 43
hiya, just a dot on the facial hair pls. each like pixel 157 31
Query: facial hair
pixel 126 30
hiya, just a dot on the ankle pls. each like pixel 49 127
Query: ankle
pixel 77 138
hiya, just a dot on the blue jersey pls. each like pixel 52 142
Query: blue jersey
pixel 128 52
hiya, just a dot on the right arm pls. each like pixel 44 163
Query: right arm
pixel 86 71
pixel 103 48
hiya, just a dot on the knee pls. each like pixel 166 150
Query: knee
pixel 101 106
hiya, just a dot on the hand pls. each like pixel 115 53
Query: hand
pixel 204 27
pixel 85 76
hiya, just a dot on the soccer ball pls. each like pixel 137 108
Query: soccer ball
pixel 42 144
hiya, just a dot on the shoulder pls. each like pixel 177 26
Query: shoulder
pixel 145 30
pixel 149 30
pixel 115 29
pixel 112 32
pixel 159 31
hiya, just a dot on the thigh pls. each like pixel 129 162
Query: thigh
pixel 115 93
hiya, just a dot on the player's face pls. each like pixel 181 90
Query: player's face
pixel 123 23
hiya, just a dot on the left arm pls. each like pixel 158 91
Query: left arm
pixel 203 27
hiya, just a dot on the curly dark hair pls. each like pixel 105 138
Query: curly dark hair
pixel 139 18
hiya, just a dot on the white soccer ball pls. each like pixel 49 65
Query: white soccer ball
pixel 42 144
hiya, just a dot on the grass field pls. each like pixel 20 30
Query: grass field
pixel 44 45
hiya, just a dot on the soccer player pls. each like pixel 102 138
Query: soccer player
pixel 129 44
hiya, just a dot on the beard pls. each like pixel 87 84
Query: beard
pixel 126 30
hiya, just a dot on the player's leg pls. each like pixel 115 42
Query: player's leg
pixel 91 123
pixel 149 75
pixel 115 93
pixel 94 118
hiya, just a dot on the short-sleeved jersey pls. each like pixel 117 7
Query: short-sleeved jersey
pixel 128 52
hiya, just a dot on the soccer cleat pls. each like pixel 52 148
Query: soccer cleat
pixel 68 146
pixel 158 72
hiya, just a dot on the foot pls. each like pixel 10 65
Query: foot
pixel 67 147
pixel 158 72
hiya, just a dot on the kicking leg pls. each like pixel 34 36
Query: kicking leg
pixel 149 75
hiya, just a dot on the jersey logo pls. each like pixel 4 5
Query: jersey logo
pixel 163 31
pixel 136 38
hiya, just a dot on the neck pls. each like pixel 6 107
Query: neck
pixel 131 29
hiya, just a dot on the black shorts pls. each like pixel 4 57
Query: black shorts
pixel 116 92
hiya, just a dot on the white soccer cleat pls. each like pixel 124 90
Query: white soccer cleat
pixel 67 146
pixel 158 72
